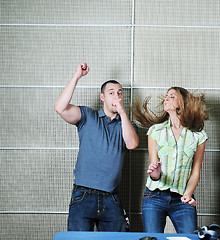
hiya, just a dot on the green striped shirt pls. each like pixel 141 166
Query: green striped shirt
pixel 176 157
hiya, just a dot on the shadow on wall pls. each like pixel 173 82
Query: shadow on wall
pixel 133 183
pixel 213 105
pixel 208 189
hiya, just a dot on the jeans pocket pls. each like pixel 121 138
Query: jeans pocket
pixel 116 199
pixel 77 196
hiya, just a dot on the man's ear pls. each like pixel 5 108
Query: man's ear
pixel 102 97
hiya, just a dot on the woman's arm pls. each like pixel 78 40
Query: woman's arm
pixel 154 168
pixel 195 175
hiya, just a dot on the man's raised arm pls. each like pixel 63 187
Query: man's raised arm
pixel 69 112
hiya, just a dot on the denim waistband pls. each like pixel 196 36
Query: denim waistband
pixel 92 190
pixel 167 191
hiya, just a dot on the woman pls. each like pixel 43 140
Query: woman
pixel 176 144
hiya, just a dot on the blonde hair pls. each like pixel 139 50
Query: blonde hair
pixel 192 111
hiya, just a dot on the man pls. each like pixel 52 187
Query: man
pixel 104 137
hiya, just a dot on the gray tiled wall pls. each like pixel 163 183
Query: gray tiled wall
pixel 146 45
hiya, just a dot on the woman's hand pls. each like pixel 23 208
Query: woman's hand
pixel 187 199
pixel 154 170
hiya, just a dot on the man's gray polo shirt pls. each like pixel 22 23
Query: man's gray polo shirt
pixel 101 150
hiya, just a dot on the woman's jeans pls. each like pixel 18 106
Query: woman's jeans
pixel 157 205
pixel 89 207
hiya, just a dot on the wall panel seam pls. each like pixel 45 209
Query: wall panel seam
pixel 106 25
pixel 98 87
pixel 76 148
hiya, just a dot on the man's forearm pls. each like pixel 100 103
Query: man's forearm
pixel 128 132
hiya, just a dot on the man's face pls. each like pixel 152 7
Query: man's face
pixel 113 94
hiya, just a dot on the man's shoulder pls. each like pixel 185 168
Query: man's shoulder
pixel 87 110
pixel 87 113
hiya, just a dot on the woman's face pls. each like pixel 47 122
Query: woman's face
pixel 171 102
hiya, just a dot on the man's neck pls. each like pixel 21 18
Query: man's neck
pixel 110 114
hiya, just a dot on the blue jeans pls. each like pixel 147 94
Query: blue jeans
pixel 157 205
pixel 89 207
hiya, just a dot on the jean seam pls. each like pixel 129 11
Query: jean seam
pixel 80 200
pixel 114 200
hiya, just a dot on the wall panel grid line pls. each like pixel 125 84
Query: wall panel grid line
pixel 98 87
pixel 76 148
pixel 109 25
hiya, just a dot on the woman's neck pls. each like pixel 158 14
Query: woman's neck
pixel 175 122
pixel 176 127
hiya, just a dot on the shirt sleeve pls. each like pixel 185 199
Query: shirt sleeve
pixel 82 120
pixel 152 132
pixel 202 137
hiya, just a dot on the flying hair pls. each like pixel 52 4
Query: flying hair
pixel 192 112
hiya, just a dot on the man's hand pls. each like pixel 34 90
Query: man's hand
pixel 118 104
pixel 82 70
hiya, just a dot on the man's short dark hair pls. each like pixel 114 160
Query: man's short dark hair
pixel 105 83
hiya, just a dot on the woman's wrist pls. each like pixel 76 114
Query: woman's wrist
pixel 156 179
